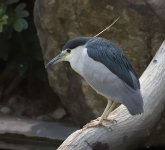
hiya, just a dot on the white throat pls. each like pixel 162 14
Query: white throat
pixel 76 58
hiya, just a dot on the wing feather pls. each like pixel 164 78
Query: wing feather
pixel 109 54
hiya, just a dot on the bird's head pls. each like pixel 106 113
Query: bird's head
pixel 68 50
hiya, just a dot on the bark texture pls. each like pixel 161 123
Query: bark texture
pixel 129 131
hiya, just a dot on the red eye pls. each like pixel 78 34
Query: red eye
pixel 68 50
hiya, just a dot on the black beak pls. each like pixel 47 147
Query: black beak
pixel 55 60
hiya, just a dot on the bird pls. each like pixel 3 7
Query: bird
pixel 106 68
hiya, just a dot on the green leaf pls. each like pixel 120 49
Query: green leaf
pixel 20 25
pixel 11 1
pixel 23 14
pixel 20 11
pixel 20 7
pixel 3 9
pixel 3 21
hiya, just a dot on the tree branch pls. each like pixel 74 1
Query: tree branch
pixel 129 131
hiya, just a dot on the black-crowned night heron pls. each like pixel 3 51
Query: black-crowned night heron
pixel 107 70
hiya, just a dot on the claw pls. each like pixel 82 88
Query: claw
pixel 97 119
pixel 91 124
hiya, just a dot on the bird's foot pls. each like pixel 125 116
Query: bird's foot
pixel 97 123
pixel 97 119
pixel 92 124
pixel 113 121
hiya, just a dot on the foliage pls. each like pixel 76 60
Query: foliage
pixel 19 46
pixel 13 16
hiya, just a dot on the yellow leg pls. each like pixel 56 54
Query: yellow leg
pixel 109 108
pixel 106 111
pixel 112 107
pixel 99 121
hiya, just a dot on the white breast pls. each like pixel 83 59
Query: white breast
pixel 77 59
pixel 95 73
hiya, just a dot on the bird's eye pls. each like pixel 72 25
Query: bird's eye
pixel 68 50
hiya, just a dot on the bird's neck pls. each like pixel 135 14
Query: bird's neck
pixel 77 59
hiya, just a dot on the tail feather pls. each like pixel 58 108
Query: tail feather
pixel 134 103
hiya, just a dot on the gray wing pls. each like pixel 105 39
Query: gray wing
pixel 111 86
pixel 114 59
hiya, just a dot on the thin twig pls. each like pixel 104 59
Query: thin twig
pixel 107 27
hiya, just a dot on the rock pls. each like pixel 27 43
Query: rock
pixel 59 113
pixel 139 32
pixel 5 110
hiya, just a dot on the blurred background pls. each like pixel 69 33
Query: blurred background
pixel 33 32
pixel 24 89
